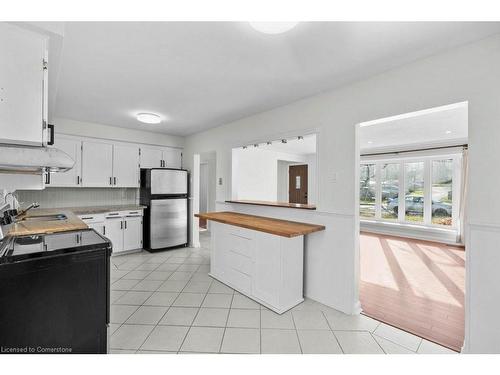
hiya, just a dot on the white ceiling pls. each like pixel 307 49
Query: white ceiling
pixel 200 75
pixel 442 126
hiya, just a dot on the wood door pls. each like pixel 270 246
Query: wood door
pixel 297 184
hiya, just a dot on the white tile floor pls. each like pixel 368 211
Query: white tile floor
pixel 166 303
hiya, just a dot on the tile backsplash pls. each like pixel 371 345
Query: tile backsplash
pixel 78 197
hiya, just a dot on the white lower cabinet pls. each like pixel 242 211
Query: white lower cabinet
pixel 114 232
pixel 262 266
pixel 132 233
pixel 122 228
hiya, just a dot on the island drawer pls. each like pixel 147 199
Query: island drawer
pixel 239 262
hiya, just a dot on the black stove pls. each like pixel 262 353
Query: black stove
pixel 54 293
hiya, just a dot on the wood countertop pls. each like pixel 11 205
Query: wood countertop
pixel 277 227
pixel 275 204
pixel 27 227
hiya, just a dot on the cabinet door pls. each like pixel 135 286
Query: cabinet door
pixel 125 166
pixel 172 158
pixel 114 232
pixel 132 234
pixel 71 178
pixel 22 86
pixel 151 158
pixel 267 265
pixel 97 164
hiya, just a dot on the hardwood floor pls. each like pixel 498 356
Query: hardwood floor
pixel 414 285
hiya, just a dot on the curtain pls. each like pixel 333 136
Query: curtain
pixel 463 197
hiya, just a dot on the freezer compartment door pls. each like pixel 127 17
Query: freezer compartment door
pixel 169 182
pixel 169 222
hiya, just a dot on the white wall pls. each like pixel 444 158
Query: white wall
pixel 255 173
pixel 469 73
pixel 89 129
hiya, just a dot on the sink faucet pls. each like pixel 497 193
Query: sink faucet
pixel 32 205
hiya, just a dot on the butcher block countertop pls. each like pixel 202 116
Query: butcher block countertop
pixel 23 228
pixel 275 204
pixel 277 227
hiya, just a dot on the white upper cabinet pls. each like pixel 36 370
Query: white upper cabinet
pixel 23 86
pixel 172 158
pixel 164 157
pixel 125 166
pixel 97 164
pixel 151 157
pixel 73 177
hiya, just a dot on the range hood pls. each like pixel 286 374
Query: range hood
pixel 33 160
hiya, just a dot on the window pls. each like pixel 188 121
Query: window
pixel 389 175
pixel 367 190
pixel 427 184
pixel 442 191
pixel 414 192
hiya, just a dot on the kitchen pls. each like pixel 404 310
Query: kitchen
pixel 96 160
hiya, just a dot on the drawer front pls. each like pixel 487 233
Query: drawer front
pixel 88 219
pixel 241 245
pixel 240 263
pixel 240 232
pixel 239 280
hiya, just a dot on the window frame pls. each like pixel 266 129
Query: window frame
pixel 427 159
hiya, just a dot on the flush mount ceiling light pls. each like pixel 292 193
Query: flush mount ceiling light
pixel 273 27
pixel 148 118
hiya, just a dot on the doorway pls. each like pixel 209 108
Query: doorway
pixel 204 186
pixel 297 184
pixel 412 176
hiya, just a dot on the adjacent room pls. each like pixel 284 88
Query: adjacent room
pixel 411 249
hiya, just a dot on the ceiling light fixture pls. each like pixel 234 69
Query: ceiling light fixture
pixel 284 141
pixel 148 118
pixel 273 27
pixel 448 132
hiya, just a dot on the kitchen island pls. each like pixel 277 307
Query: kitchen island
pixel 260 257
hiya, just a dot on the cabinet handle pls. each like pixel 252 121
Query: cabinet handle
pixel 111 180
pixel 78 180
pixel 125 224
pixel 121 224
pixel 87 218
pixel 114 180
pixel 47 178
pixel 51 134
pixel 104 230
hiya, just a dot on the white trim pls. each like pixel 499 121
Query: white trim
pixel 419 232
pixel 414 114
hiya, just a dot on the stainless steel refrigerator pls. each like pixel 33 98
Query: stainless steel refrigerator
pixel 164 192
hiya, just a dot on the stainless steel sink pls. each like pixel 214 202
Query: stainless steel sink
pixel 55 217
